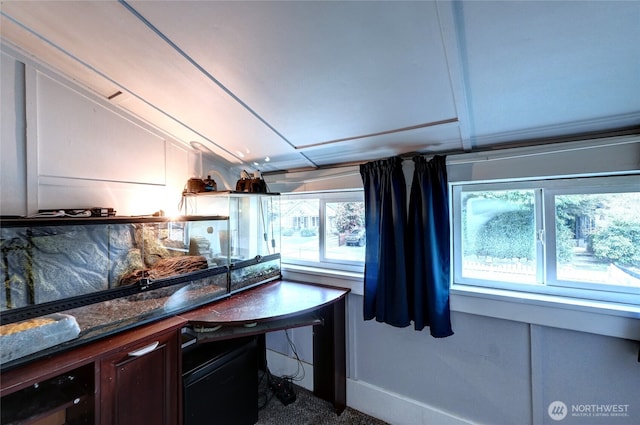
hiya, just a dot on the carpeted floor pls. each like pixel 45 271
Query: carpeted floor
pixel 310 410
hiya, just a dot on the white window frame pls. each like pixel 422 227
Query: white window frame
pixel 601 157
pixel 546 283
pixel 325 263
pixel 612 184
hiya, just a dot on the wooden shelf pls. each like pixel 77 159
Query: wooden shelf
pixel 76 221
pixel 215 333
pixel 53 395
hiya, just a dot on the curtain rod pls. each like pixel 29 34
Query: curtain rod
pixel 317 179
pixel 550 150
pixel 622 137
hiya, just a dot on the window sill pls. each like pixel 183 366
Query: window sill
pixel 602 318
pixel 340 278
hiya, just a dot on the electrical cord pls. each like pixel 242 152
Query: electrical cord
pixel 282 387
pixel 274 386
pixel 300 372
pixel 264 389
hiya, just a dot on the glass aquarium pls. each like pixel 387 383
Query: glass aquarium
pixel 253 234
pixel 70 280
pixel 46 261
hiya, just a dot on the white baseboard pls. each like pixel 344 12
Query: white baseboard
pixel 394 408
pixel 374 401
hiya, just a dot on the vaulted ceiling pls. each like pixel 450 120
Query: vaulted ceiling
pixel 285 85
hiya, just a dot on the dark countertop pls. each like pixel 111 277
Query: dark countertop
pixel 271 301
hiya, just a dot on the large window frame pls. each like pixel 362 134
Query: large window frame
pixel 600 157
pixel 325 261
pixel 546 191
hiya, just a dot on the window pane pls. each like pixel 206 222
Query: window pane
pixel 598 238
pixel 345 237
pixel 300 219
pixel 498 235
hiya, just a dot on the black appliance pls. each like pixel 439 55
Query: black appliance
pixel 220 383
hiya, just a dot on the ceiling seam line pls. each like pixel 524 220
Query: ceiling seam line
pixel 455 69
pixel 111 80
pixel 201 69
pixel 380 133
pixel 463 56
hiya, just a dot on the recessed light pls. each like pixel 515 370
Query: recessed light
pixel 200 147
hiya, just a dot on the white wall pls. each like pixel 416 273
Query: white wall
pixel 65 147
pixel 13 175
pixel 491 371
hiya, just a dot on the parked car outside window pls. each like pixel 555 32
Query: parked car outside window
pixel 357 237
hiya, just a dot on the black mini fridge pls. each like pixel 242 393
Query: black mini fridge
pixel 220 383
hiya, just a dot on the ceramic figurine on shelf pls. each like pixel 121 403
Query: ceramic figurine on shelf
pixel 255 184
pixel 210 185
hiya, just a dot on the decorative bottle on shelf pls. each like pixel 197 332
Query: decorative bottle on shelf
pixel 210 185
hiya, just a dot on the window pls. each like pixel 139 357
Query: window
pixel 571 237
pixel 324 229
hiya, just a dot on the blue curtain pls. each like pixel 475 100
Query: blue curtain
pixel 385 280
pixel 428 247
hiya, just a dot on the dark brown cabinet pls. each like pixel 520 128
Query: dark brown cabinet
pixel 136 376
pixel 139 383
pixel 63 399
pixel 130 378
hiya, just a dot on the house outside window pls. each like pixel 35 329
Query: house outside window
pixel 324 229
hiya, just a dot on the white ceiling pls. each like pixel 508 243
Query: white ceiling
pixel 310 84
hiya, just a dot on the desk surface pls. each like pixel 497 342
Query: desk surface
pixel 272 301
pixel 282 305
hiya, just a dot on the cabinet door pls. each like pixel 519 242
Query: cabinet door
pixel 139 384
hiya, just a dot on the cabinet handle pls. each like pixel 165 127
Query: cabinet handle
pixel 144 350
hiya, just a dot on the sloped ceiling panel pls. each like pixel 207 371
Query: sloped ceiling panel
pixel 115 43
pixel 43 52
pixel 539 69
pixel 258 79
pixel 308 84
pixel 319 71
